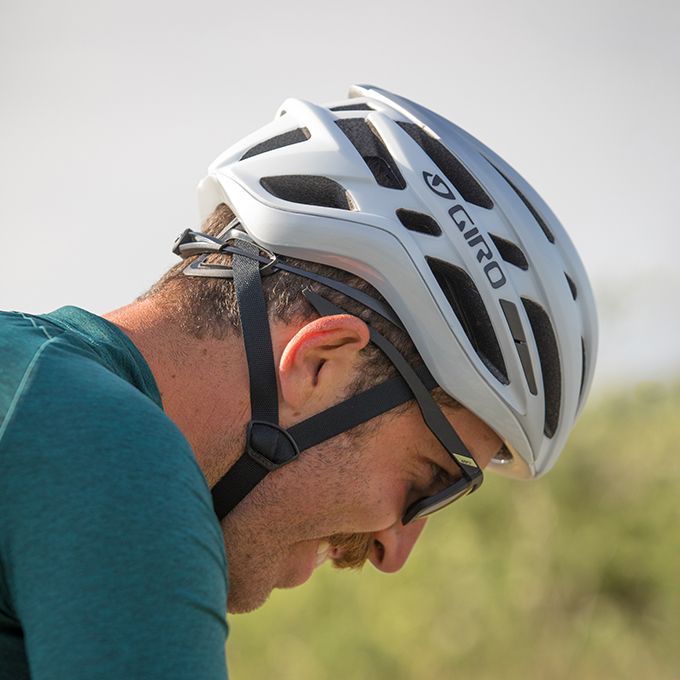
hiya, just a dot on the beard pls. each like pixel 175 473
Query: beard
pixel 250 591
pixel 256 546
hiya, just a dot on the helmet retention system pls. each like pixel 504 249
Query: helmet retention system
pixel 473 264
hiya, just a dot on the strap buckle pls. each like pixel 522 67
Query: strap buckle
pixel 269 445
pixel 190 243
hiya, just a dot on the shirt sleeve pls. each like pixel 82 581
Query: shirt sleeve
pixel 112 556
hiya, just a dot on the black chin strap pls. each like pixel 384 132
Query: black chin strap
pixel 269 446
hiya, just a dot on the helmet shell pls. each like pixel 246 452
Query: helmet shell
pixel 497 303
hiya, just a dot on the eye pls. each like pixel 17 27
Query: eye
pixel 439 479
pixel 434 479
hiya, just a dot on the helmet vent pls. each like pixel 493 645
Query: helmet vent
pixel 286 139
pixel 420 222
pixel 541 222
pixel 517 331
pixel 572 286
pixel 550 363
pixel 583 373
pixel 352 107
pixel 470 189
pixel 310 190
pixel 373 151
pixel 510 252
pixel 468 306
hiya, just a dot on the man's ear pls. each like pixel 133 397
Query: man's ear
pixel 318 362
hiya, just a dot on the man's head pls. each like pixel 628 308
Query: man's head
pixel 473 263
pixel 343 500
pixel 395 256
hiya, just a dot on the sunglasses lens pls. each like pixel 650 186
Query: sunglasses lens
pixel 427 506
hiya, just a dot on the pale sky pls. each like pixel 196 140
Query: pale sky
pixel 110 113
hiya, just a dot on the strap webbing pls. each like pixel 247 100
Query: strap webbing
pixel 357 410
pixel 267 445
pixel 239 480
pixel 264 402
pixel 247 472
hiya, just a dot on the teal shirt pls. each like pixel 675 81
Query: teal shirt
pixel 112 561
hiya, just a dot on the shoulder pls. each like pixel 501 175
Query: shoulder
pixel 22 342
pixel 107 517
pixel 80 436
pixel 63 392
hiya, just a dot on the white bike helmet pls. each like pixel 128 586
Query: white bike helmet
pixel 474 264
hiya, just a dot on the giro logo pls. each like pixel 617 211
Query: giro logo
pixel 466 226
pixel 438 185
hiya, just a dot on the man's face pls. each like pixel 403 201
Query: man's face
pixel 342 500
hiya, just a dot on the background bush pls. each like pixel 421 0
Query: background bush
pixel 575 576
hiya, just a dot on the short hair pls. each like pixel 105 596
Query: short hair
pixel 207 307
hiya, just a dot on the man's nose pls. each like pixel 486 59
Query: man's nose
pixel 392 546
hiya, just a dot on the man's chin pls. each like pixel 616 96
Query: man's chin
pixel 240 602
pixel 244 605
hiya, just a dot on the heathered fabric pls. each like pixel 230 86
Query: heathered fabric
pixel 112 562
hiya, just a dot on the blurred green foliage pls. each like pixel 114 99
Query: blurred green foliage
pixel 575 576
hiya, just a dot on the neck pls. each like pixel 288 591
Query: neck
pixel 203 382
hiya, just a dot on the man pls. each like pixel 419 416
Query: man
pixel 377 308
